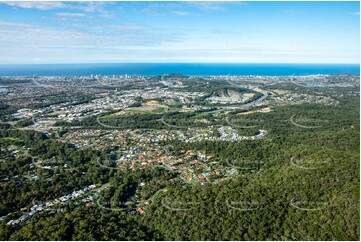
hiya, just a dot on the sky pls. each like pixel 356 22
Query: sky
pixel 177 32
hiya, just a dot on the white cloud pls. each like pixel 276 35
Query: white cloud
pixel 64 14
pixel 160 8
pixel 214 6
pixel 180 13
pixel 208 6
pixel 133 42
pixel 90 6
pixel 38 38
pixel 185 8
pixel 43 5
pixel 37 4
pixel 127 26
pixel 12 24
pixel 91 39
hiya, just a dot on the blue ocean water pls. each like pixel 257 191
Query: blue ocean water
pixel 194 69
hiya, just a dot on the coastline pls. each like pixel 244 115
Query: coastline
pixel 190 69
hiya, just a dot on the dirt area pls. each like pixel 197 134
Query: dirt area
pixel 203 120
pixel 150 106
pixel 263 110
pixel 229 95
pixel 248 95
pixel 152 103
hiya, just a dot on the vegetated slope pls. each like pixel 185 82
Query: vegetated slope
pixel 316 200
pixel 307 188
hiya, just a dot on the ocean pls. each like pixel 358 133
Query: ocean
pixel 194 69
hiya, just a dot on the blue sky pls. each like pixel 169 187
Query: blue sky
pixel 236 32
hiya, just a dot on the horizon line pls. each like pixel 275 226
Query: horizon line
pixel 262 63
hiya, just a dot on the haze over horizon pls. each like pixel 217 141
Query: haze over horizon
pixel 179 32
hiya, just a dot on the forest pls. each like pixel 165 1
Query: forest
pixel 304 184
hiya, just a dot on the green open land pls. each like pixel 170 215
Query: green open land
pixel 188 171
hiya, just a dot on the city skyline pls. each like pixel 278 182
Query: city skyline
pixel 179 32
